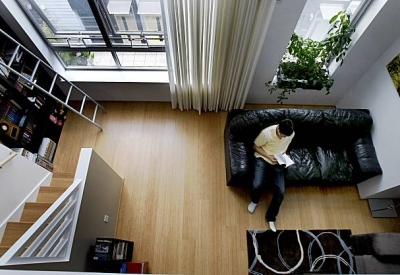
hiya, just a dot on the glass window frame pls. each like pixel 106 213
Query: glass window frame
pixel 353 20
pixel 106 33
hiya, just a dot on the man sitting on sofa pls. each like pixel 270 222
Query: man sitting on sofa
pixel 272 140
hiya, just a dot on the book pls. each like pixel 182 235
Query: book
pixel 25 153
pixel 41 161
pixel 26 83
pixel 284 159
pixel 4 71
pixel 47 149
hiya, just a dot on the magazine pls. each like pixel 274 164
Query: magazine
pixel 284 159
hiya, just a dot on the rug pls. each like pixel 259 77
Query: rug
pixel 299 251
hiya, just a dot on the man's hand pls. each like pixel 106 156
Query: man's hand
pixel 262 153
pixel 272 158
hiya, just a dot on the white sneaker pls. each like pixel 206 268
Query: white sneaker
pixel 252 206
pixel 272 226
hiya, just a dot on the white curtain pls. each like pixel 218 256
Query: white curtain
pixel 213 48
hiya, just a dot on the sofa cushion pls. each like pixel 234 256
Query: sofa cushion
pixel 328 127
pixel 306 167
pixel 342 127
pixel 307 126
pixel 335 166
pixel 245 127
pixel 387 244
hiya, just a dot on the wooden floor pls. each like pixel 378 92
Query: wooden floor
pixel 175 204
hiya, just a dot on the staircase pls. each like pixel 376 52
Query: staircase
pixel 33 210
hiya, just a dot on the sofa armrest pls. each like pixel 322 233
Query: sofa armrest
pixel 385 247
pixel 366 157
pixel 238 164
pixel 386 244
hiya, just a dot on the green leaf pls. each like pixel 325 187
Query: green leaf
pixel 333 18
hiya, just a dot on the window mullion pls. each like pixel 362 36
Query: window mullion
pixel 116 59
pixel 99 22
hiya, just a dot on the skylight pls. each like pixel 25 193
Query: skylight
pixel 314 20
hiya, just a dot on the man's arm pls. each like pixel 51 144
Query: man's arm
pixel 262 153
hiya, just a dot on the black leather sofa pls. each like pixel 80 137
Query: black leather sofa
pixel 331 146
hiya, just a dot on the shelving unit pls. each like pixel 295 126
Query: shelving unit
pixel 32 106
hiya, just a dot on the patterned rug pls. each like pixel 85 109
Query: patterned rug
pixel 299 251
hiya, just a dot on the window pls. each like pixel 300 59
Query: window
pixel 104 34
pixel 314 20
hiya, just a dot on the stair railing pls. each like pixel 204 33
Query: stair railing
pixel 7 159
pixel 50 238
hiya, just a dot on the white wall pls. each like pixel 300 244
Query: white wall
pixel 124 91
pixel 283 21
pixel 375 91
pixel 20 179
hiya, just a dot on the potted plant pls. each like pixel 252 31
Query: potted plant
pixel 76 58
pixel 305 62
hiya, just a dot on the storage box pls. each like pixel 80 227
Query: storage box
pixel 135 268
pixel 110 249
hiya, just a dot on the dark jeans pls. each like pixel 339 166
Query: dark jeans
pixel 263 170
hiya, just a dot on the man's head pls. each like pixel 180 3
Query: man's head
pixel 286 127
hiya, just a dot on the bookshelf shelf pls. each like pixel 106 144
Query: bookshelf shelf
pixel 25 111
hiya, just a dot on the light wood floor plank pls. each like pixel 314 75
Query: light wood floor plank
pixel 175 204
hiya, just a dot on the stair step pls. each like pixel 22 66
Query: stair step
pixel 50 193
pixel 61 182
pixel 14 231
pixel 33 211
pixel 64 175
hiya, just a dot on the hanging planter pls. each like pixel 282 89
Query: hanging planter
pixel 284 82
pixel 304 64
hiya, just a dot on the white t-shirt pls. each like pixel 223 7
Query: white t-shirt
pixel 269 141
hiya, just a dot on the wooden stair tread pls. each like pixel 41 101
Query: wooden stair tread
pixel 50 193
pixel 63 175
pixel 14 231
pixel 33 211
pixel 61 182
